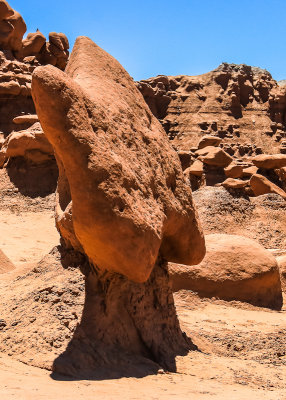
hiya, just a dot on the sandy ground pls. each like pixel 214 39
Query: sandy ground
pixel 242 349
pixel 27 237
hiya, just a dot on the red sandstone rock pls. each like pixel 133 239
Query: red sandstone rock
pixel 214 156
pixel 234 171
pixel 249 171
pixel 33 44
pixel 24 119
pixel 234 268
pixel 270 161
pixel 231 183
pixel 30 144
pixel 110 144
pixel 197 169
pixel 220 103
pixel 12 28
pixel 209 140
pixel 261 185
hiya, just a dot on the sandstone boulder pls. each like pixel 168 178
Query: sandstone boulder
pixel 214 156
pixel 209 140
pixel 249 171
pixel 31 144
pixel 234 268
pixel 33 43
pixel 270 161
pixel 231 183
pixel 26 119
pixel 233 171
pixel 197 169
pixel 6 265
pixel 261 185
pixel 112 148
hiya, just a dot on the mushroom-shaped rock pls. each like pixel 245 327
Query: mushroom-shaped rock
pixel 270 161
pixel 234 268
pixel 209 140
pixel 122 201
pixel 129 196
pixel 6 264
pixel 261 185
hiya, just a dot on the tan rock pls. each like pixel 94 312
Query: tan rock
pixel 261 185
pixel 112 148
pixel 215 156
pixel 33 43
pixel 234 268
pixel 270 161
pixel 197 169
pixel 231 183
pixel 249 171
pixel 209 140
pixel 31 144
pixel 233 171
pixel 26 119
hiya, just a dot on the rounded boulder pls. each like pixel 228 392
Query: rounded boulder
pixel 234 268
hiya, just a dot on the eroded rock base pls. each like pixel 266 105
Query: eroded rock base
pixel 127 329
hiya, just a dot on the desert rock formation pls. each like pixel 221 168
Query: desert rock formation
pixel 130 204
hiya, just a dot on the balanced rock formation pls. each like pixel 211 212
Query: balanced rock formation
pixel 234 268
pixel 123 191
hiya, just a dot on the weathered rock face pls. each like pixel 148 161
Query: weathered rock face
pixel 12 28
pixel 30 144
pixel 110 145
pixel 15 92
pixel 242 105
pixel 34 49
pixel 122 201
pixel 234 268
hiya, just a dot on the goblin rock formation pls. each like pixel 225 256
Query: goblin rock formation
pixel 122 197
pixel 241 104
pixel 18 58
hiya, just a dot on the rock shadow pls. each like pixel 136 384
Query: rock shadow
pixel 33 180
pixel 127 329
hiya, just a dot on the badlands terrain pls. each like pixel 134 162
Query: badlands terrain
pixel 143 227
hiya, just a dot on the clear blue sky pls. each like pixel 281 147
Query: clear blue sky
pixel 171 37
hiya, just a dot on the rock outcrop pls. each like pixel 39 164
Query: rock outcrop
pixel 234 268
pixel 30 144
pixel 34 49
pixel 122 189
pixel 240 104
